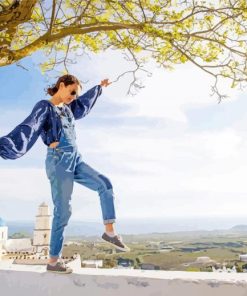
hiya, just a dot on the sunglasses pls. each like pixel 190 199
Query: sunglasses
pixel 73 93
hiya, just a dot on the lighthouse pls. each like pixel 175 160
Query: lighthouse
pixel 42 230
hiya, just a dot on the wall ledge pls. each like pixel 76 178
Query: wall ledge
pixel 28 279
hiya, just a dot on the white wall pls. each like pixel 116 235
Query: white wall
pixel 27 280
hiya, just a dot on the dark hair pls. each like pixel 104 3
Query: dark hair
pixel 66 79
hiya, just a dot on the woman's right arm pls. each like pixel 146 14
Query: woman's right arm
pixel 16 143
pixel 81 106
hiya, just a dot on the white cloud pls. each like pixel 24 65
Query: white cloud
pixel 167 94
pixel 23 183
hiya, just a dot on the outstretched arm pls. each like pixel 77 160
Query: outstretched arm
pixel 81 106
pixel 22 138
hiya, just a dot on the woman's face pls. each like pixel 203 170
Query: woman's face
pixel 68 93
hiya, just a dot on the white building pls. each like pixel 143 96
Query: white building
pixel 204 259
pixel 41 236
pixel 243 257
pixel 42 230
pixel 225 269
pixel 92 263
pixel 12 245
pixel 19 244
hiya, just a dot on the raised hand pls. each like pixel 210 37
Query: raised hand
pixel 105 82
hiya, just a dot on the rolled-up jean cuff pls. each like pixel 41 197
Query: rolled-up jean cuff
pixel 109 221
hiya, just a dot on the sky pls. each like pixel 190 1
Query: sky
pixel 170 151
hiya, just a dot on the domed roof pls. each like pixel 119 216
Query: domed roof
pixel 2 222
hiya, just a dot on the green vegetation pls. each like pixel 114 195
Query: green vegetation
pixel 224 249
pixel 20 235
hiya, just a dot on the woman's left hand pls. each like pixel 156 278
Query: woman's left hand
pixel 105 82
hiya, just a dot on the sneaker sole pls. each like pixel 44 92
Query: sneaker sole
pixel 115 246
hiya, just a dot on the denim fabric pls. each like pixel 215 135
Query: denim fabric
pixel 64 165
pixel 68 125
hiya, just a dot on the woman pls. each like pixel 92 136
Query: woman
pixel 54 120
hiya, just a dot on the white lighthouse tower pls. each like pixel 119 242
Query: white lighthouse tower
pixel 42 230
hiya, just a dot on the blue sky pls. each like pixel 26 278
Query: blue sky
pixel 170 151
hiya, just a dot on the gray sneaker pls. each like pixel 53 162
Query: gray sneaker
pixel 115 241
pixel 60 267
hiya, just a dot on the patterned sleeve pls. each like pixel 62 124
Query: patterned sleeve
pixel 81 106
pixel 23 136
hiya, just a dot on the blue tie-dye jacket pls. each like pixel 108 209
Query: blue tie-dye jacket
pixel 44 121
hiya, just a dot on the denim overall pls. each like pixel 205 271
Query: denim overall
pixel 64 165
